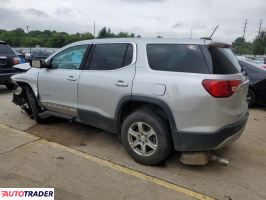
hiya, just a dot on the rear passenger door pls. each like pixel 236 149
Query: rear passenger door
pixel 107 78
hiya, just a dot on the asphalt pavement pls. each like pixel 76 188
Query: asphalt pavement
pixel 83 162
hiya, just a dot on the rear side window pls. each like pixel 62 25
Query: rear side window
pixel 176 58
pixel 223 61
pixel 5 49
pixel 111 56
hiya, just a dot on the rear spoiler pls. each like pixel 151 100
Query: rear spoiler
pixel 219 44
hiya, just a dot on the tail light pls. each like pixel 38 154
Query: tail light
pixel 16 61
pixel 221 88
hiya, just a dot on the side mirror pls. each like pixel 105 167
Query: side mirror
pixel 38 64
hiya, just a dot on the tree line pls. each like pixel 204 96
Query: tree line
pixel 257 47
pixel 53 39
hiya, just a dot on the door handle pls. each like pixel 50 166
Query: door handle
pixel 71 78
pixel 121 83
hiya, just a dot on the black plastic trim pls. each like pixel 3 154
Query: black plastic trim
pixel 145 99
pixel 97 120
pixel 113 125
pixel 192 141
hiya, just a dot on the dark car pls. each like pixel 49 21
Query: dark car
pixel 257 85
pixel 37 55
pixel 8 58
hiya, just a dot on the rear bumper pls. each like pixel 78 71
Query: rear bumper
pixel 5 77
pixel 188 141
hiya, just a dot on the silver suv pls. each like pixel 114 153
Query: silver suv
pixel 154 93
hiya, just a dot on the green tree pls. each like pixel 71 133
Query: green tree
pixel 260 44
pixel 107 33
pixel 240 46
pixel 47 38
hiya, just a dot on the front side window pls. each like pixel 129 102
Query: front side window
pixel 70 58
pixel 111 56
pixel 176 58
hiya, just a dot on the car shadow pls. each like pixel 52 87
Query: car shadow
pixel 258 107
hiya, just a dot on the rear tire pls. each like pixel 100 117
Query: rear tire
pixel 146 137
pixel 251 98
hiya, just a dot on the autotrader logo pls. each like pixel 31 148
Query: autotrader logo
pixel 26 193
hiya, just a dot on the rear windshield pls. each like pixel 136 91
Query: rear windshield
pixel 177 58
pixel 5 49
pixel 223 61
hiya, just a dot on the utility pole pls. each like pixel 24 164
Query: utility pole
pixel 94 29
pixel 245 27
pixel 260 27
pixel 29 37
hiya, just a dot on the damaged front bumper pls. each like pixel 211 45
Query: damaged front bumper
pixel 20 99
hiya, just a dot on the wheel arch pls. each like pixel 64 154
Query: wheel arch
pixel 33 87
pixel 130 103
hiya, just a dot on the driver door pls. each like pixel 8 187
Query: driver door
pixel 57 85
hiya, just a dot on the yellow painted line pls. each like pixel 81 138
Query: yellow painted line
pixel 134 173
pixel 120 168
pixel 22 133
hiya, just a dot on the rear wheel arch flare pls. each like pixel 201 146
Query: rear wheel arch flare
pixel 131 103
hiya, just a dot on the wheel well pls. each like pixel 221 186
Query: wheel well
pixel 23 84
pixel 253 90
pixel 132 106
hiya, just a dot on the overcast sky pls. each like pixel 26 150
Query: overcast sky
pixel 149 18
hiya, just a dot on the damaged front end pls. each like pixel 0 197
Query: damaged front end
pixel 20 99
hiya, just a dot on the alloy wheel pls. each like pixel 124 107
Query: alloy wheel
pixel 142 138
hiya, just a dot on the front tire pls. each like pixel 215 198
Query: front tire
pixel 146 137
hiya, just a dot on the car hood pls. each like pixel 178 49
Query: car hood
pixel 23 66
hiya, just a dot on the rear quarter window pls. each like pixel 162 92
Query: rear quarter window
pixel 222 61
pixel 5 49
pixel 177 58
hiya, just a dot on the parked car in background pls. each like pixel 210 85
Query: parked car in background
pixel 37 55
pixel 259 62
pixel 8 58
pixel 21 56
pixel 257 84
